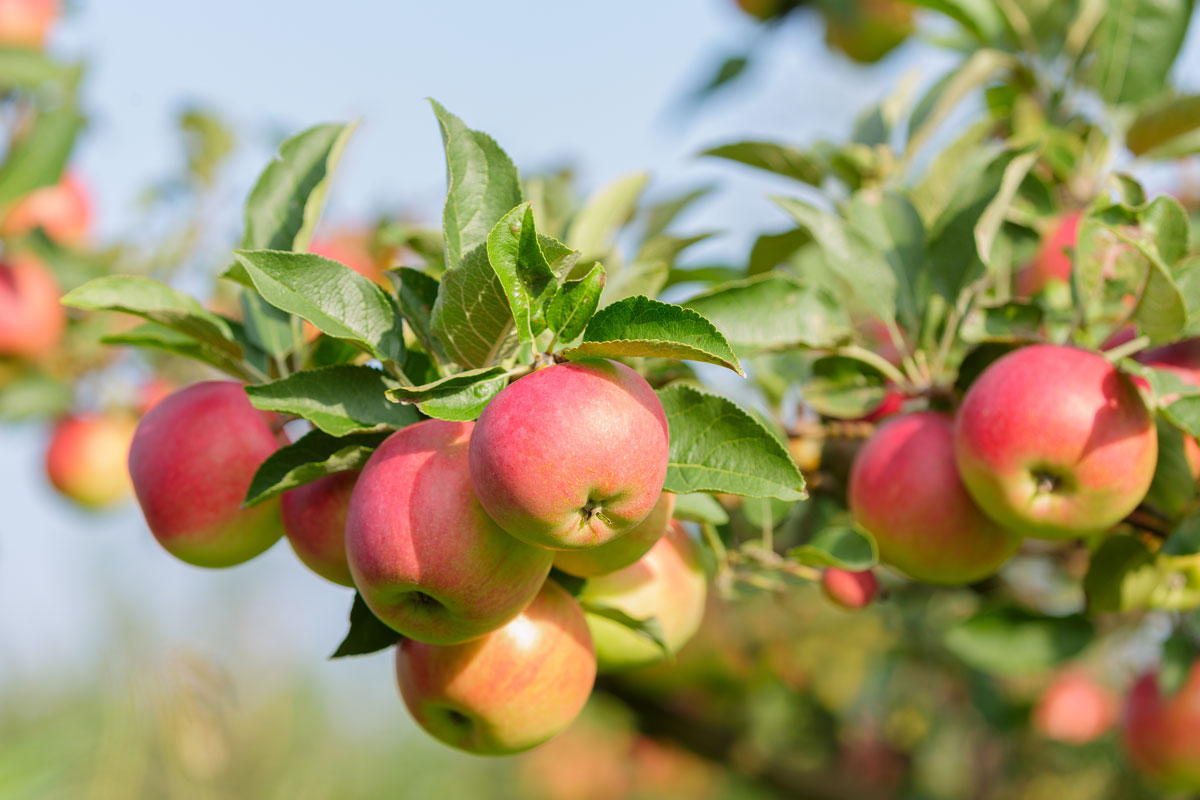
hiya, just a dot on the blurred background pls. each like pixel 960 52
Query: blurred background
pixel 124 672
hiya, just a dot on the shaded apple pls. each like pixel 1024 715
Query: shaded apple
pixel 849 589
pixel 63 210
pixel 86 458
pixel 622 551
pixel 1074 708
pixel 1052 261
pixel 31 317
pixel 1161 733
pixel 314 521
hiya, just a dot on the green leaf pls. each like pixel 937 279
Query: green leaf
pixel 314 455
pixel 1011 322
pixel 32 395
pixel 1184 540
pixel 1121 576
pixel 331 296
pixel 1169 129
pixel 772 157
pixel 728 70
pixel 1012 641
pixel 893 225
pixel 988 226
pixel 775 311
pixel 942 98
pixel 367 634
pixel 595 227
pixel 718 447
pixel 23 68
pixel 459 397
pixel 839 545
pixel 524 271
pixel 1135 47
pixel 575 304
pixel 648 628
pixel 267 327
pixel 1178 656
pixel 417 294
pixel 472 317
pixel 339 400
pixel 1174 486
pixel 160 337
pixel 771 250
pixel 981 17
pixel 844 387
pixel 659 216
pixel 699 507
pixel 38 157
pixel 482 185
pixel 639 326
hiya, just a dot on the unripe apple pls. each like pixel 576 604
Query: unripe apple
pixel 510 690
pixel 668 583
pixel 868 30
pixel 1074 708
pixel 848 589
pixel 905 490
pixel 1161 734
pixel 622 551
pixel 192 459
pixel 25 23
pixel 424 554
pixel 572 455
pixel 62 210
pixel 86 458
pixel 314 520
pixel 31 317
pixel 1054 442
pixel 1052 262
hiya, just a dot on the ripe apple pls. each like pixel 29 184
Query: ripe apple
pixel 25 23
pixel 572 455
pixel 905 490
pixel 1052 262
pixel 1054 442
pixel 86 458
pixel 1161 734
pixel 314 521
pixel 668 583
pixel 848 589
pixel 153 391
pixel 63 210
pixel 31 317
pixel 1074 708
pixel 510 690
pixel 424 554
pixel 192 459
pixel 622 551
pixel 350 248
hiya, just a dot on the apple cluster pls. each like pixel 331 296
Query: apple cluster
pixel 450 531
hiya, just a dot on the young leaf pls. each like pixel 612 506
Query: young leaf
pixel 649 628
pixel 331 296
pixel 1012 641
pixel 839 545
pixel 472 317
pixel 595 226
pixel 576 302
pixel 772 157
pixel 314 455
pixel 367 634
pixel 524 272
pixel 699 507
pixel 462 396
pixel 718 447
pixel 639 326
pixel 844 387
pixel 339 400
pixel 417 293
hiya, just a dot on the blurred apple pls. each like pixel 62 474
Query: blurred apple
pixel 1074 708
pixel 25 23
pixel 31 317
pixel 86 458
pixel 62 210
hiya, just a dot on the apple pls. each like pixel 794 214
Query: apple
pixel 350 248
pixel 31 317
pixel 63 210
pixel 425 556
pixel 1052 262
pixel 1161 734
pixel 1055 442
pixel 867 30
pixel 622 551
pixel 314 521
pixel 668 583
pixel 1074 708
pixel 905 490
pixel 152 392
pixel 508 691
pixel 848 589
pixel 572 455
pixel 192 459
pixel 86 458
pixel 25 23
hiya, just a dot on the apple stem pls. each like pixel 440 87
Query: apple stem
pixel 1127 349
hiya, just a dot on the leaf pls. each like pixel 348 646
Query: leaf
pixel 333 297
pixel 1184 540
pixel 839 545
pixel 367 634
pixel 950 90
pixel 417 295
pixel 775 311
pixel 1174 485
pixel 1121 576
pixel 1169 129
pixel 38 157
pixel 472 317
pixel 339 400
pixel 981 17
pixel 29 69
pixel 1011 322
pixel 639 326
pixel 1134 47
pixel 32 395
pixel 267 327
pixel 772 157
pixel 459 397
pixel 988 226
pixel 893 225
pixel 728 70
pixel 771 250
pixel 160 337
pixel 575 304
pixel 659 216
pixel 717 447
pixel 699 507
pixel 524 272
pixel 482 185
pixel 314 455
pixel 1011 641
pixel 844 387
pixel 649 628
pixel 595 227
pixel 1178 657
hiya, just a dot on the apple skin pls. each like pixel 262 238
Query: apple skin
pixel 31 317
pixel 667 583
pixel 25 23
pixel 424 554
pixel 192 459
pixel 1074 708
pixel 905 490
pixel 1161 735
pixel 1051 262
pixel 86 458
pixel 63 210
pixel 848 589
pixel 314 521
pixel 623 551
pixel 572 455
pixel 1054 442
pixel 510 690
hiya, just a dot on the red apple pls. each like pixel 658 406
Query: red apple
pixel 25 23
pixel 350 248
pixel 1074 708
pixel 62 210
pixel 1052 262
pixel 314 520
pixel 572 455
pixel 850 590
pixel 1161 734
pixel 905 490
pixel 192 459
pixel 506 692
pixel 424 555
pixel 86 458
pixel 152 392
pixel 622 551
pixel 1054 442
pixel 31 317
